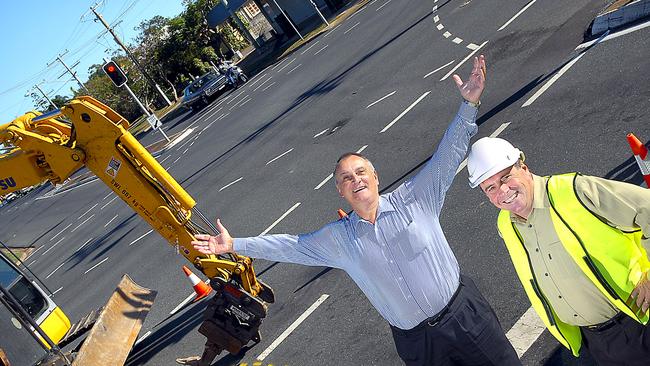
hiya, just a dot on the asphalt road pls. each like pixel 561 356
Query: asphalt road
pixel 269 147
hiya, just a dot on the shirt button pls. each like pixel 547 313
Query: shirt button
pixel 399 278
pixel 559 296
pixel 530 225
pixel 546 274
pixel 575 315
pixel 537 249
pixel 390 261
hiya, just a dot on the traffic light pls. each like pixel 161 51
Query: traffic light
pixel 115 73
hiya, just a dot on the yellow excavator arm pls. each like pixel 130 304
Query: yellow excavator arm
pixel 86 133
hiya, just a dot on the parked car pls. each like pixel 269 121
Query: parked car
pixel 203 90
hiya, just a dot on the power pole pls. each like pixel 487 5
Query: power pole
pixel 45 96
pixel 149 79
pixel 69 70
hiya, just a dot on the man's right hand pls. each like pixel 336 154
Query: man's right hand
pixel 219 244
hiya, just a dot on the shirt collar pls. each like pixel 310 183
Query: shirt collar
pixel 540 198
pixel 384 207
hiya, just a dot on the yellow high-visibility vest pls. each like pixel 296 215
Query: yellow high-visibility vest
pixel 613 260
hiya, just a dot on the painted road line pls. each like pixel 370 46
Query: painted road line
pixel 380 99
pixel 321 184
pixel 382 5
pixel 279 156
pixel 463 61
pixel 320 133
pixel 108 203
pixel 142 338
pixel 236 96
pixel 247 100
pixel 288 63
pixel 525 331
pixel 292 327
pixel 319 51
pixel 33 252
pixel 111 220
pixel 143 235
pixel 55 292
pixel 446 34
pixel 496 133
pixel 206 127
pixel 440 27
pixel 185 151
pixel 52 246
pixel 259 77
pixel 262 84
pixel 309 48
pixel 90 209
pixel 59 233
pixel 457 40
pixel 290 71
pixel 361 149
pixel 472 46
pixel 213 113
pixel 108 195
pixel 279 63
pixel 552 81
pixel 96 265
pixel 231 183
pixel 516 15
pixel 224 116
pixel 268 86
pixel 608 36
pixel 436 19
pixel 405 112
pixel 163 160
pixel 280 219
pixel 56 269
pixel 438 69
pixel 242 99
pixel 85 221
pixel 83 245
pixel 333 29
pixel 351 28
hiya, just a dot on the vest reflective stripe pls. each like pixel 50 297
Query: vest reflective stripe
pixel 613 260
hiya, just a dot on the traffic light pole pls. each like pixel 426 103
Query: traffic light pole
pixel 145 110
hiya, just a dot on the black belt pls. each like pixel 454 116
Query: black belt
pixel 434 320
pixel 607 324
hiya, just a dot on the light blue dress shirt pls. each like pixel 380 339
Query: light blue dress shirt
pixel 403 262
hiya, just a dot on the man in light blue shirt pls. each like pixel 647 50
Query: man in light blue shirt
pixel 394 249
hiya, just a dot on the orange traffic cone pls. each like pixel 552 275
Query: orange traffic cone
pixel 341 213
pixel 640 152
pixel 201 288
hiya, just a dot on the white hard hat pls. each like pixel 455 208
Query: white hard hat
pixel 488 156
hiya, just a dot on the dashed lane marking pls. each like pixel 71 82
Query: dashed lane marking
pixel 516 15
pixel 108 203
pixel 322 132
pixel 309 48
pixel 404 112
pixel 324 181
pixel 111 220
pixel 552 81
pixel 231 183
pixel 288 63
pixel 53 246
pixel 96 265
pixel 142 236
pixel 438 69
pixel 85 221
pixel 280 219
pixel 380 99
pixel 382 5
pixel 319 51
pixel 279 156
pixel 463 61
pixel 351 28
pixel 290 71
pixel 268 86
pixel 525 331
pixel 60 232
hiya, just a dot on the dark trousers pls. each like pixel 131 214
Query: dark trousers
pixel 467 332
pixel 619 341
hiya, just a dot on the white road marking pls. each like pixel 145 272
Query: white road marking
pixel 279 63
pixel 52 247
pixel 279 156
pixel 333 29
pixel 351 28
pixel 59 233
pixel 231 183
pixel 457 40
pixel 380 99
pixel 472 46
pixel 213 113
pixel 108 203
pixel 268 86
pixel 440 27
pixel 384 4
pixel 280 219
pixel 552 80
pixel 143 235
pixel 108 195
pixel 261 84
pixel 436 19
pixel 321 184
pixel 163 160
pixel 516 15
pixel 242 99
pixel 185 151
pixel 405 112
pixel 292 327
pixel 319 51
pixel 446 34
pixel 525 331
pixel 289 63
pixel 54 293
pixel 222 116
pixel 309 48
pixel 463 61
pixel 204 128
pixel 361 149
pixel 85 221
pixel 96 265
pixel 56 269
pixel 320 133
pixel 247 100
pixel 438 69
pixel 236 96
pixel 83 245
pixel 496 133
pixel 259 77
pixel 615 35
pixel 290 71
pixel 111 220
pixel 143 337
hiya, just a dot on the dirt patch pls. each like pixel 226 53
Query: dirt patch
pixel 17 253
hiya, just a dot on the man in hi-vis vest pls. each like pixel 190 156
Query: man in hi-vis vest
pixel 578 244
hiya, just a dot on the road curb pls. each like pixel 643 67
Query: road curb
pixel 619 16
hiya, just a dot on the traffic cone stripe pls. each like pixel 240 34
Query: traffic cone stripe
pixel 640 152
pixel 201 288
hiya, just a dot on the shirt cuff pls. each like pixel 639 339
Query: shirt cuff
pixel 467 112
pixel 239 245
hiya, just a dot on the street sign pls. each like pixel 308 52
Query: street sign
pixel 153 121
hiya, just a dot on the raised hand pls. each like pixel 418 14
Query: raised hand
pixel 219 244
pixel 472 89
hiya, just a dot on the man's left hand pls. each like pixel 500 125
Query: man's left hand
pixel 641 294
pixel 472 89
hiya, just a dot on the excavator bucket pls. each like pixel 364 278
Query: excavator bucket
pixel 117 327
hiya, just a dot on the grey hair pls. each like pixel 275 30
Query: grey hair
pixel 347 155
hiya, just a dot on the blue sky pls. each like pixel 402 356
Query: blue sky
pixel 34 32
